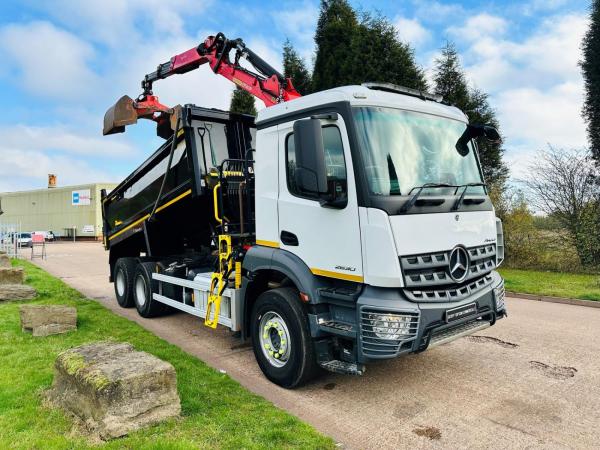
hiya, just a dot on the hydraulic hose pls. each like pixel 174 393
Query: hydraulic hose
pixel 166 175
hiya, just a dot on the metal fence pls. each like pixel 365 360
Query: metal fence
pixel 11 241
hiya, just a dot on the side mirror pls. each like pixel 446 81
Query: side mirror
pixel 475 131
pixel 310 173
pixel 491 134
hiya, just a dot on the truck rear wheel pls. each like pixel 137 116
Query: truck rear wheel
pixel 281 339
pixel 143 287
pixel 123 274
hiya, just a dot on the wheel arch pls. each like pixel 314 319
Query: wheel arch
pixel 264 265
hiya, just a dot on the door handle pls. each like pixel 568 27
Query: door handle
pixel 289 238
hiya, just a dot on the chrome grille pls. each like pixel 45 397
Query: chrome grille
pixel 375 347
pixel 432 269
pixel 453 293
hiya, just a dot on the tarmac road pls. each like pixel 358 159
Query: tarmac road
pixel 531 381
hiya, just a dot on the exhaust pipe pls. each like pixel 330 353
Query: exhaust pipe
pixel 120 115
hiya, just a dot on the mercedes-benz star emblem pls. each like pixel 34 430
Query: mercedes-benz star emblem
pixel 459 264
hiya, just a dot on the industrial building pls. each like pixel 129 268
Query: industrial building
pixel 66 211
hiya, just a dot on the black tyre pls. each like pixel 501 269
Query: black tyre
pixel 281 339
pixel 143 287
pixel 123 281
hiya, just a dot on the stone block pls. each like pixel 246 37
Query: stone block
pixel 12 275
pixel 4 260
pixel 114 389
pixel 16 292
pixel 45 320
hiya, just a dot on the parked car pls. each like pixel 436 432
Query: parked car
pixel 25 240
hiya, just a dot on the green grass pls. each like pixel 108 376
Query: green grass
pixel 568 285
pixel 216 411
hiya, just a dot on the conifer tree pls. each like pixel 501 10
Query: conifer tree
pixel 353 50
pixel 336 27
pixel 379 55
pixel 449 79
pixel 242 102
pixel 295 68
pixel 590 66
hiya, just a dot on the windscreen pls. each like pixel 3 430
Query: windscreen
pixel 402 150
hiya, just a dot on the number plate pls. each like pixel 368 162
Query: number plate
pixel 460 312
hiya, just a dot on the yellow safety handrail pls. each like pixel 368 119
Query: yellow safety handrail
pixel 216 201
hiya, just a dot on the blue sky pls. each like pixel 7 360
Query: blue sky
pixel 66 61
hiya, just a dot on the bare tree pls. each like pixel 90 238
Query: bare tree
pixel 562 183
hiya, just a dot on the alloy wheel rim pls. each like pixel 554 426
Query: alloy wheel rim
pixel 274 337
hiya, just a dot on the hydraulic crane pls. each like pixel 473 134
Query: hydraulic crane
pixel 267 84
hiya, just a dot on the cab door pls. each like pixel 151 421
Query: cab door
pixel 326 238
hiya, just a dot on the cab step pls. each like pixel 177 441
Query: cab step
pixel 343 367
pixel 450 334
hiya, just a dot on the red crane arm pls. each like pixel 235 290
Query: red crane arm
pixel 268 84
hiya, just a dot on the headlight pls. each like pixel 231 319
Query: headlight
pixel 392 326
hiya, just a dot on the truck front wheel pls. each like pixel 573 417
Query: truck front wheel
pixel 123 281
pixel 281 339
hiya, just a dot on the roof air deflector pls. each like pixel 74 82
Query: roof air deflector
pixel 389 87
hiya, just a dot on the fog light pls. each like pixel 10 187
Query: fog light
pixel 391 326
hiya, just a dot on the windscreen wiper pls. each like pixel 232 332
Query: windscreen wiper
pixel 462 195
pixel 410 203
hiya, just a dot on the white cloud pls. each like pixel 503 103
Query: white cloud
pixel 29 153
pixel 59 138
pixel 535 116
pixel 29 169
pixel 299 24
pixel 535 83
pixel 119 23
pixel 479 26
pixel 548 57
pixel 50 62
pixel 537 6
pixel 437 12
pixel 411 31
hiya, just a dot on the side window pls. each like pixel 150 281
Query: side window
pixel 334 162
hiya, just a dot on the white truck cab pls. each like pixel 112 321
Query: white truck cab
pixel 404 236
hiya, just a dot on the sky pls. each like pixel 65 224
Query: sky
pixel 64 62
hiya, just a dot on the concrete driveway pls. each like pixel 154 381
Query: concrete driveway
pixel 533 380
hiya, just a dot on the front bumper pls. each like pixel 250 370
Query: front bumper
pixel 428 320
